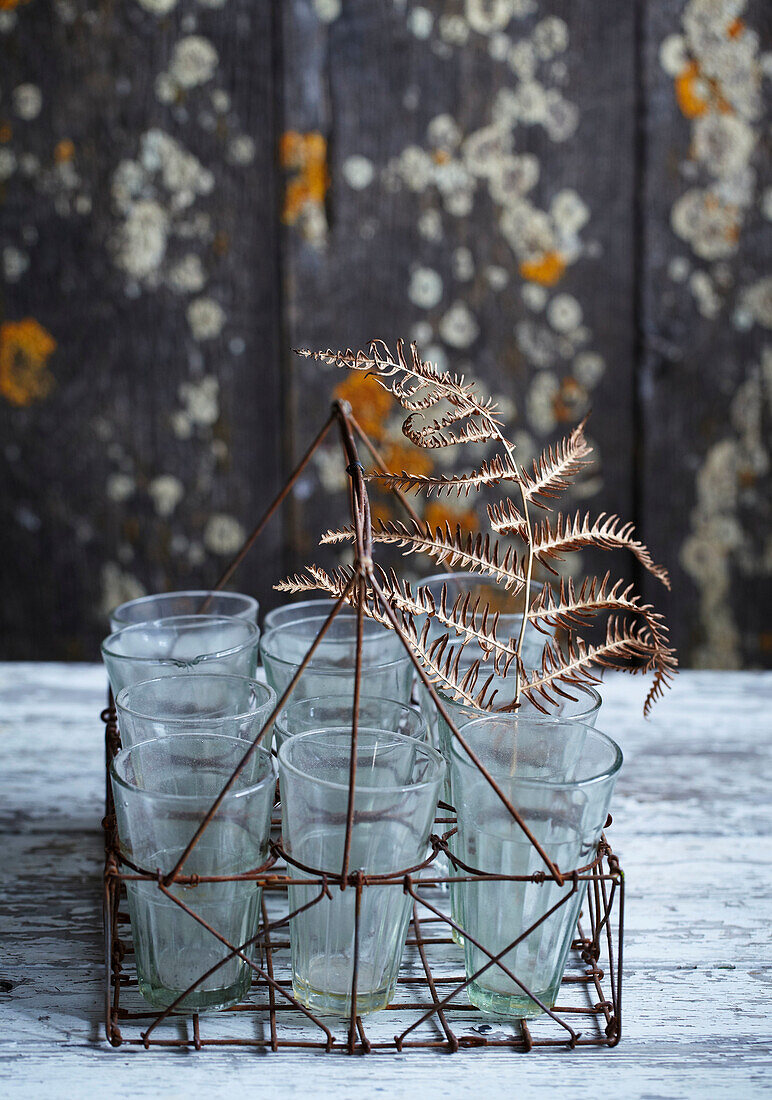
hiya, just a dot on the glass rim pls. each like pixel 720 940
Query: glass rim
pixel 458 752
pixel 315 663
pixel 319 601
pixel 253 631
pixel 257 685
pixel 324 698
pixel 250 601
pixel 478 578
pixel 174 742
pixel 587 688
pixel 429 751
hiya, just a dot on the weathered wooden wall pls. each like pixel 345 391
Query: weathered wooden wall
pixel 566 197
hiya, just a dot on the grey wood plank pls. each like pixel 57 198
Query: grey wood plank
pixel 704 389
pixel 142 198
pixel 441 127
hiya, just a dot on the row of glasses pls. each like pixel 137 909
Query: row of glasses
pixel 398 782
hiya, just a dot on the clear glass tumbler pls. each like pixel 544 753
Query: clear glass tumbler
pixel 232 706
pixel 387 670
pixel 167 605
pixel 162 790
pixel 560 775
pixel 301 609
pixel 183 644
pixel 398 781
pixel 328 711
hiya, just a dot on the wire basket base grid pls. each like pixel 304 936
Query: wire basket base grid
pixel 430 1009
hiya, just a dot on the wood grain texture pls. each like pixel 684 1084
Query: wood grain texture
pixel 147 217
pixel 691 813
pixel 569 198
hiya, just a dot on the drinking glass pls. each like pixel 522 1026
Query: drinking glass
pixel 397 785
pixel 233 706
pixel 330 711
pixel 167 605
pixel 162 790
pixel 387 670
pixel 302 609
pixel 182 644
pixel 560 776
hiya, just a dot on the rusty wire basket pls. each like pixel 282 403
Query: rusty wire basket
pixel 430 1009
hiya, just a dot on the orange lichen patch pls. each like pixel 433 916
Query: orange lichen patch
pixel 306 156
pixel 25 348
pixel 380 510
pixel 9 5
pixel 735 28
pixel 64 151
pixel 441 156
pixel 6 133
pixel 567 400
pixel 687 88
pixel 399 457
pixel 438 513
pixel 369 400
pixel 546 269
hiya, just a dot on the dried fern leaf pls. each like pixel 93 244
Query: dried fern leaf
pixel 556 466
pixel 459 549
pixel 570 608
pixel 489 473
pixel 551 543
pixel 418 385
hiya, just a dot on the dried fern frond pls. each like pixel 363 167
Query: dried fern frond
pixel 490 473
pixel 459 549
pixel 570 609
pixel 624 643
pixel 418 385
pixel 607 532
pixel 556 466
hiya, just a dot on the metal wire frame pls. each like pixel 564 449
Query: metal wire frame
pixel 602 879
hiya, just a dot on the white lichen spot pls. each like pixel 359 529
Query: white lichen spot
pixel 499 45
pixel 430 224
pixel 756 301
pixel 550 36
pixel 678 269
pixel 488 16
pixel 540 402
pixel 704 292
pixel 672 54
pixel 15 263
pixel 420 22
pixel 200 400
pixel 454 30
pixel 463 264
pixel 534 296
pixel 569 212
pixel 724 143
pixel 139 243
pixel 709 226
pixel 358 172
pixel 327 10
pixel 458 327
pixel 421 333
pixel 158 7
pixel 221 101
pixel 766 203
pixel 437 355
pixel 588 369
pixel 497 277
pixel 564 313
pixel 120 487
pixel 7 163
pixel 223 534
pixel 443 133
pixel 206 318
pixel 27 101
pixel 241 150
pixel 118 587
pixel 166 492
pixel 187 275
pixel 194 61
pixel 425 288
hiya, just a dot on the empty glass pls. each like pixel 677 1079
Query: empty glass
pixel 583 707
pixel 162 789
pixel 398 781
pixel 167 605
pixel 301 609
pixel 233 706
pixel 560 776
pixel 329 711
pixel 387 671
pixel 188 643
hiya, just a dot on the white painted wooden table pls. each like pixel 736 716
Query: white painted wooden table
pixel 692 827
